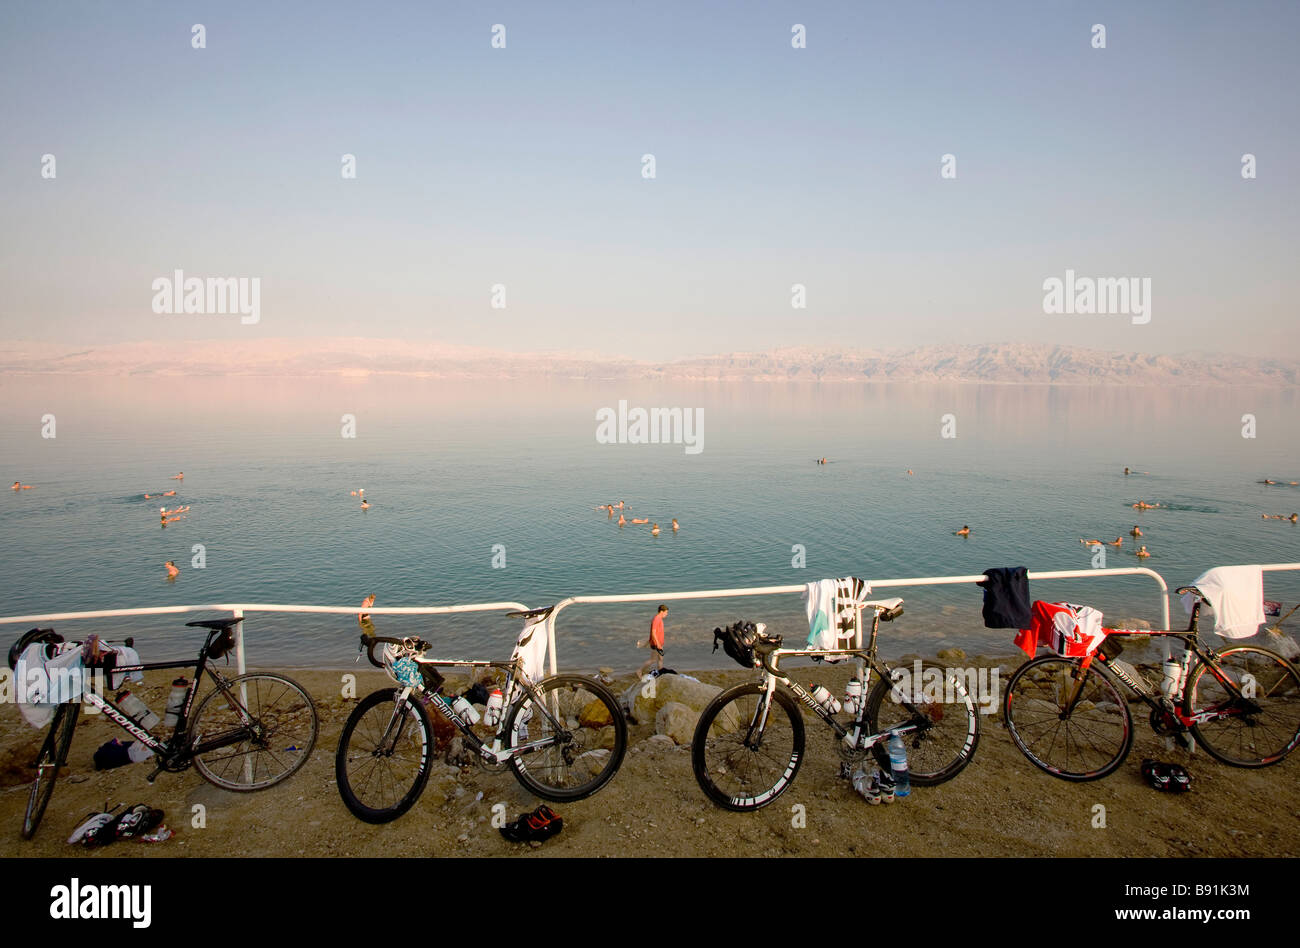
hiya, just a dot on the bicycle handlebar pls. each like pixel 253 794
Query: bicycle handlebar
pixel 370 641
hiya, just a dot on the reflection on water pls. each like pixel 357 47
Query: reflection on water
pixel 460 472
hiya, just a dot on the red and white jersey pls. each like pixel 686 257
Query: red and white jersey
pixel 1067 629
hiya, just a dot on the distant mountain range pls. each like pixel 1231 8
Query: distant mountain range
pixel 359 357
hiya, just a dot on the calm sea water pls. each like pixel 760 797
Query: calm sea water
pixel 452 469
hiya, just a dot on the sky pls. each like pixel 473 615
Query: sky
pixel 774 166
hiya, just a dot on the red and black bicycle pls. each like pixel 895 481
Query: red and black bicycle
pixel 1071 717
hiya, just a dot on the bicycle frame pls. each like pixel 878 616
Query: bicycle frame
pixel 1192 645
pixel 772 675
pixel 170 746
pixel 516 680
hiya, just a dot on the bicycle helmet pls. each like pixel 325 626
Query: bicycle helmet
pixel 48 636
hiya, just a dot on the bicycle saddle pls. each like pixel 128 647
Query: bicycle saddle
pixel 889 609
pixel 219 625
pixel 530 613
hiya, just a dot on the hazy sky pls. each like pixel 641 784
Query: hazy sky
pixel 775 165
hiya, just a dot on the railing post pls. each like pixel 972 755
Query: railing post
pixel 239 641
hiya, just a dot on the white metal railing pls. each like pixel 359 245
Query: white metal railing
pixel 875 584
pixel 237 610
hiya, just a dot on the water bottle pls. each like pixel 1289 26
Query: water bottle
pixel 1169 685
pixel 495 704
pixel 466 710
pixel 898 766
pixel 175 702
pixel 821 694
pixel 137 711
pixel 853 697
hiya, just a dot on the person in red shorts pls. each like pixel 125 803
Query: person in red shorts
pixel 655 643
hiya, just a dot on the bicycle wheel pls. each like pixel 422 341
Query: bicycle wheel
pixel 949 722
pixel 586 748
pixel 240 757
pixel 382 763
pixel 1261 727
pixel 53 755
pixel 1087 744
pixel 747 750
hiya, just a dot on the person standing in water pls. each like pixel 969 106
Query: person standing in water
pixel 674 524
pixel 654 531
pixel 964 531
pixel 655 643
pixel 172 571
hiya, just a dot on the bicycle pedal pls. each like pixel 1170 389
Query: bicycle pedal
pixel 153 776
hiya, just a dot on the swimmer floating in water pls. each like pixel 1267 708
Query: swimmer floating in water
pixel 179 477
pixel 20 486
pixel 1118 541
pixel 964 532
pixel 639 520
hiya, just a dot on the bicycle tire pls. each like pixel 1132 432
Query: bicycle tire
pixel 724 761
pixel 1034 696
pixel 1280 701
pixel 546 772
pixel 53 755
pixel 943 749
pixel 361 785
pixel 284 714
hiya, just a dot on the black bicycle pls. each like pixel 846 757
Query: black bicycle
pixel 249 733
pixel 564 736
pixel 749 742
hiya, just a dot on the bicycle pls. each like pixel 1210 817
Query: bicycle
pixel 1069 717
pixel 385 751
pixel 249 733
pixel 749 742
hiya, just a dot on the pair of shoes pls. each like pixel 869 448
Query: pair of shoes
pixel 542 823
pixel 1173 778
pixel 100 829
pixel 880 790
pixel 138 820
pixel 95 829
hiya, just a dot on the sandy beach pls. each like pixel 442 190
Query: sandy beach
pixel 1000 805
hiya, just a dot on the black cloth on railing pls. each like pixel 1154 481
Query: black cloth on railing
pixel 1006 597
